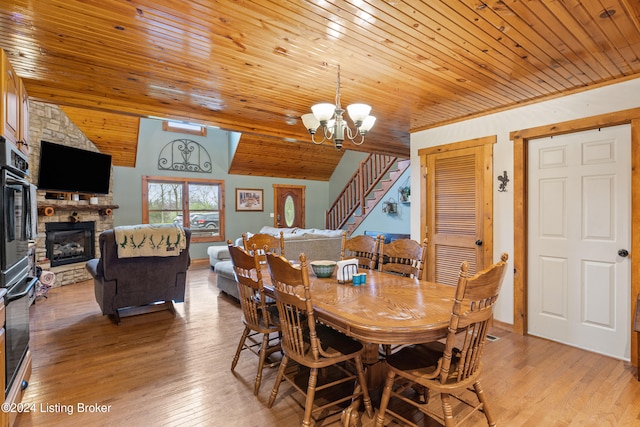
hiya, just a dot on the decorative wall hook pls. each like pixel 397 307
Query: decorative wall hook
pixel 390 207
pixel 504 179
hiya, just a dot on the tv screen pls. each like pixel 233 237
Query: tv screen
pixel 73 170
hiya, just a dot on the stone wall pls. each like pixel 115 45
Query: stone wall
pixel 49 122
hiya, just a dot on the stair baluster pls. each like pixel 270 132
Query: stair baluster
pixel 354 195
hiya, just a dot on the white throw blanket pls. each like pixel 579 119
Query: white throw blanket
pixel 150 240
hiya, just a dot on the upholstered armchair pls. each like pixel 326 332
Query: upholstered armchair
pixel 137 284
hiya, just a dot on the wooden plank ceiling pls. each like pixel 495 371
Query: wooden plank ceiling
pixel 260 155
pixel 256 67
pixel 111 133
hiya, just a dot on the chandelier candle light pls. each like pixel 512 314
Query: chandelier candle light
pixel 329 116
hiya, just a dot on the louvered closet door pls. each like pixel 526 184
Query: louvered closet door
pixel 459 212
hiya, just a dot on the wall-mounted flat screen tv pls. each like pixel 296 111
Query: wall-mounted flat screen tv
pixel 73 170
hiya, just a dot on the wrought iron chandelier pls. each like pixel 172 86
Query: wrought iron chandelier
pixel 329 117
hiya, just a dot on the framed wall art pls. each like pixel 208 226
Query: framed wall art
pixel 249 199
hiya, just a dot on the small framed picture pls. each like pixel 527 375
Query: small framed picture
pixel 249 199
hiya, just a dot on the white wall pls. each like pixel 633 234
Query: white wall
pixel 344 171
pixel 618 97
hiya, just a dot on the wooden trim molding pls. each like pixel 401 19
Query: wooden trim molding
pixel 635 234
pixel 184 128
pixel 520 140
pixel 520 236
pixel 458 145
pixel 578 125
pixel 185 200
pixel 424 190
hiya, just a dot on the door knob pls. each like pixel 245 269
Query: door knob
pixel 623 253
pixel 478 242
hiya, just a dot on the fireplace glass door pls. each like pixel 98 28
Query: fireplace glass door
pixel 69 242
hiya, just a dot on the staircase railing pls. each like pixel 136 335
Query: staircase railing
pixel 353 197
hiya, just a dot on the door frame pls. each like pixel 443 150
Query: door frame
pixel 276 189
pixel 520 140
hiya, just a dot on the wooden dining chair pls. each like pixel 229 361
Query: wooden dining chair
pixel 313 346
pixel 453 366
pixel 363 248
pixel 403 256
pixel 261 333
pixel 262 241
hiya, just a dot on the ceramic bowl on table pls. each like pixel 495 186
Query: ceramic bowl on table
pixel 323 268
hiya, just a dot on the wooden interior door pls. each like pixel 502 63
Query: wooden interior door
pixel 458 215
pixel 579 234
pixel 288 206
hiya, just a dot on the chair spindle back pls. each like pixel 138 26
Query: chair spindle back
pixel 363 248
pixel 293 298
pixel 402 256
pixel 246 267
pixel 264 243
pixel 470 318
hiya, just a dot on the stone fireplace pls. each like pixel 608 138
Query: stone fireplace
pixel 49 122
pixel 66 212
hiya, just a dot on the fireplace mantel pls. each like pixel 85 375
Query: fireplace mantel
pixel 48 209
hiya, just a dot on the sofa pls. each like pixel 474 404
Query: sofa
pixel 137 283
pixel 388 237
pixel 316 243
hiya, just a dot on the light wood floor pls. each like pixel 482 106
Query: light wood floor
pixel 160 370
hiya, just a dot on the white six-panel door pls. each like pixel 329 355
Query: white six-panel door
pixel 579 220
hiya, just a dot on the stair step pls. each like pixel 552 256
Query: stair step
pixel 395 174
pixel 377 193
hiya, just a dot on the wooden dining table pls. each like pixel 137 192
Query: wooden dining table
pixel 387 309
